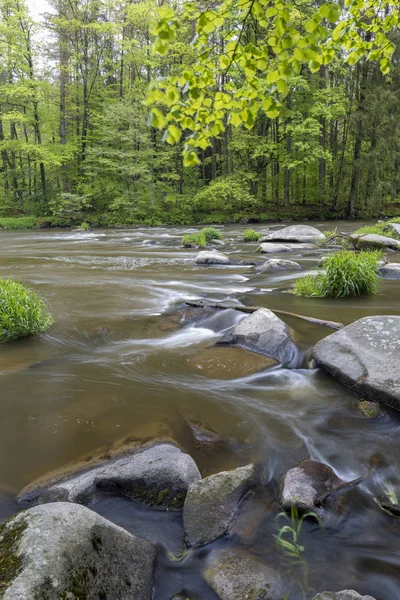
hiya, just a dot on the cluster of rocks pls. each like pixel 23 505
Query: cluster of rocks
pixel 59 548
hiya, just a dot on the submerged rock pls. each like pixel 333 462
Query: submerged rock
pixel 390 271
pixel 67 551
pixel 279 264
pixel 371 410
pixel 297 233
pixel 365 356
pixel 373 240
pixel 269 248
pixel 304 485
pixel 343 595
pixel 212 502
pixel 212 257
pixel 265 333
pixel 158 475
pixel 234 574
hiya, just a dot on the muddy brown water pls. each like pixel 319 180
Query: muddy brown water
pixel 124 359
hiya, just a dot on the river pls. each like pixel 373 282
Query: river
pixel 121 362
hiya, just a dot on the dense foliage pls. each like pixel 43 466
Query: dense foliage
pixel 78 143
pixel 345 273
pixel 22 312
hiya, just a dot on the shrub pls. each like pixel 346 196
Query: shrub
pixel 202 238
pixel 345 274
pixel 18 223
pixel 84 226
pixel 210 233
pixel 251 236
pixel 379 229
pixel 22 312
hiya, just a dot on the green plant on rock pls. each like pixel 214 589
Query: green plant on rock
pixel 18 223
pixel 210 233
pixel 380 229
pixel 202 238
pixel 84 226
pixel 22 312
pixel 251 236
pixel 345 273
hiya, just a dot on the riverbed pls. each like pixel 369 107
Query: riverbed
pixel 126 359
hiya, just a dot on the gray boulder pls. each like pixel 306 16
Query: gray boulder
pixel 212 257
pixel 304 485
pixel 212 502
pixel 373 240
pixel 394 228
pixel 343 595
pixel 270 248
pixel 158 475
pixel 67 551
pixel 297 233
pixel 280 264
pixel 365 356
pixel 234 574
pixel 390 271
pixel 265 333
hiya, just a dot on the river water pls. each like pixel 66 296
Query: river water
pixel 125 359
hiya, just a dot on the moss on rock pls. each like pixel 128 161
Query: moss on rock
pixel 10 560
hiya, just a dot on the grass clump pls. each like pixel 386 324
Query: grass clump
pixel 18 223
pixel 22 312
pixel 84 226
pixel 202 238
pixel 380 229
pixel 345 274
pixel 251 236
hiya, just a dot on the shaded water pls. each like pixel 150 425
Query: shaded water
pixel 125 359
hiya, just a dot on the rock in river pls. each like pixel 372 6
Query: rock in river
pixel 212 502
pixel 304 485
pixel 65 550
pixel 280 264
pixel 265 333
pixel 212 257
pixel 234 574
pixel 372 240
pixel 297 233
pixel 158 475
pixel 390 271
pixel 343 595
pixel 274 248
pixel 365 355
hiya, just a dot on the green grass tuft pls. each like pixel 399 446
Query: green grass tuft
pixel 345 274
pixel 210 233
pixel 22 312
pixel 251 236
pixel 379 229
pixel 202 238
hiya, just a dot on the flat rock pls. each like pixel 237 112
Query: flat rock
pixel 280 264
pixel 67 551
pixel 270 248
pixel 212 257
pixel 212 502
pixel 302 486
pixel 373 240
pixel 297 233
pixel 265 333
pixel 365 355
pixel 343 595
pixel 390 271
pixel 235 574
pixel 158 476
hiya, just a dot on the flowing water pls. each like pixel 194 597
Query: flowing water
pixel 127 360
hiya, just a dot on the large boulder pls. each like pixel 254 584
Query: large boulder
pixel 343 595
pixel 67 551
pixel 212 257
pixel 390 271
pixel 158 475
pixel 365 356
pixel 280 264
pixel 234 574
pixel 303 486
pixel 265 333
pixel 297 233
pixel 375 241
pixel 212 502
pixel 269 248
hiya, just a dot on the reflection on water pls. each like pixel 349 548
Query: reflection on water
pixel 125 358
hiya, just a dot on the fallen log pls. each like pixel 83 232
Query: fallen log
pixel 251 309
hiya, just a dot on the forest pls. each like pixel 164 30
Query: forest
pixel 79 140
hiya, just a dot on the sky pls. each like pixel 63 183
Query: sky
pixel 37 7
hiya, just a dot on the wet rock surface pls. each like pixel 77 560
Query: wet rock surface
pixel 365 356
pixel 265 333
pixel 212 257
pixel 270 248
pixel 279 264
pixel 212 502
pixel 297 233
pixel 390 271
pixel 343 595
pixel 235 574
pixel 158 475
pixel 65 550
pixel 372 240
